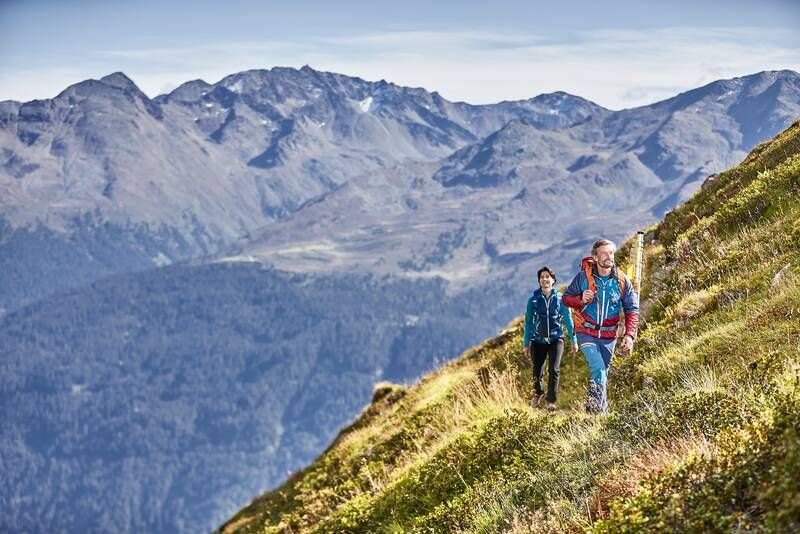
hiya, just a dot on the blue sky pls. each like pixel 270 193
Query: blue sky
pixel 617 53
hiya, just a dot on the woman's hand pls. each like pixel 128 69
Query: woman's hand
pixel 527 351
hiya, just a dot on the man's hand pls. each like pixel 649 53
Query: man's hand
pixel 587 296
pixel 627 345
pixel 528 351
pixel 574 346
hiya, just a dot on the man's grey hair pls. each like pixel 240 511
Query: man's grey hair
pixel 601 243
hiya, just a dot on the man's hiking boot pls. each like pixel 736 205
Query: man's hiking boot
pixel 594 399
pixel 537 400
pixel 551 406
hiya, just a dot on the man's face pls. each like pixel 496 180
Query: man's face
pixel 604 257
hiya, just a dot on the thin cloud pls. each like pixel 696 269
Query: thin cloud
pixel 486 40
pixel 162 53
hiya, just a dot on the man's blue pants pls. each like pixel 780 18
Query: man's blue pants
pixel 598 353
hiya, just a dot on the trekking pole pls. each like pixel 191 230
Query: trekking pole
pixel 638 268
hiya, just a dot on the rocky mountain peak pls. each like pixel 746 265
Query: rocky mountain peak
pixel 188 91
pixel 120 81
pixel 561 101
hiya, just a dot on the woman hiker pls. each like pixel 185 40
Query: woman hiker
pixel 544 337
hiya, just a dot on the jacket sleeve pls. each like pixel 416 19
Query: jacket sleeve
pixel 566 313
pixel 526 339
pixel 572 295
pixel 630 303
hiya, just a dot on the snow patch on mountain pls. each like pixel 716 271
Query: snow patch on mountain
pixel 235 87
pixel 366 104
pixel 161 260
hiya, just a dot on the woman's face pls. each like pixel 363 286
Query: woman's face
pixel 545 280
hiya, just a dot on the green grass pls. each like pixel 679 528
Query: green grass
pixel 704 433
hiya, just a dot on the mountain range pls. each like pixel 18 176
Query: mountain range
pixel 529 187
pixel 102 179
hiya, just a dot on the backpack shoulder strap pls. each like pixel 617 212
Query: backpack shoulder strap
pixel 535 300
pixel 621 281
pixel 587 264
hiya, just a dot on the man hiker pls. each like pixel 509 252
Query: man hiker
pixel 543 334
pixel 599 292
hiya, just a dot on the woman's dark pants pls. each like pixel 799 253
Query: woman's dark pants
pixel 539 353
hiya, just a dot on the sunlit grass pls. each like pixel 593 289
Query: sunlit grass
pixel 435 390
pixel 681 352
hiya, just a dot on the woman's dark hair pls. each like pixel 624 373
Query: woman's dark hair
pixel 546 269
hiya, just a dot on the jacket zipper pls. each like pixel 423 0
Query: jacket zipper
pixel 547 312
pixel 602 311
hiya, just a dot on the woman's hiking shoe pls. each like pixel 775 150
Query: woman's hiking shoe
pixel 537 400
pixel 551 406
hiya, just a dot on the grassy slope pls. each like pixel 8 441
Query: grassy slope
pixel 705 429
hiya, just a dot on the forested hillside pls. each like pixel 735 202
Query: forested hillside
pixel 130 405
